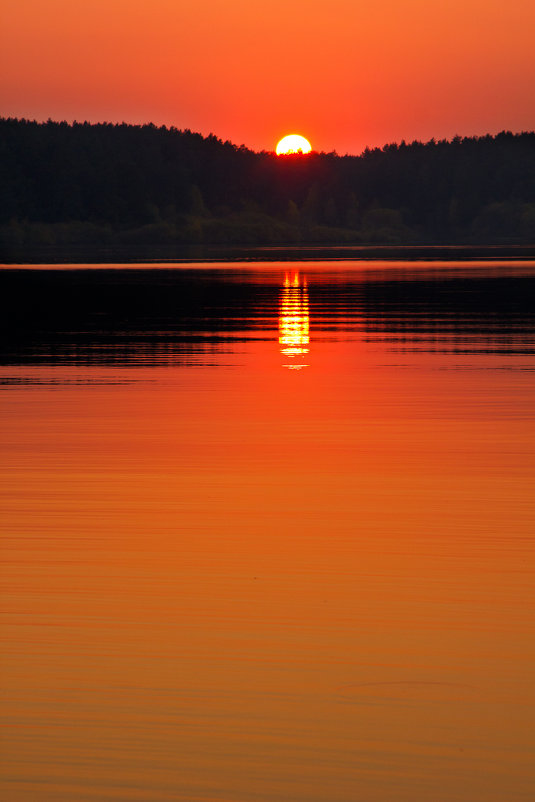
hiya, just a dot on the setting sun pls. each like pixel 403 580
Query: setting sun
pixel 293 143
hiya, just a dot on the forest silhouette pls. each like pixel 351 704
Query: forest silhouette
pixel 126 186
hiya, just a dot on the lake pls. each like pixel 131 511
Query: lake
pixel 268 531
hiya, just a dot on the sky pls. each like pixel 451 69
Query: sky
pixel 343 73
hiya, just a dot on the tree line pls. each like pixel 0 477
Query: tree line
pixel 119 184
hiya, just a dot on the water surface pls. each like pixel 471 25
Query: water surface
pixel 268 532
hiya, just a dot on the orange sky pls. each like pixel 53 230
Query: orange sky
pixel 344 74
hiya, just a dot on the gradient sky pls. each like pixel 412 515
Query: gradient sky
pixel 342 73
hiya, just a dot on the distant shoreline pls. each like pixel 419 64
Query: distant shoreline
pixel 260 253
pixel 127 193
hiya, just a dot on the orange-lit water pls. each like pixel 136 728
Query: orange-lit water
pixel 229 579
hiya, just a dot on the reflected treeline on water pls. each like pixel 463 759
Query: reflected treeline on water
pixel 473 314
pixel 134 317
pixel 182 316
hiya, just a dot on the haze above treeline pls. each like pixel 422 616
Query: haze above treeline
pixel 119 185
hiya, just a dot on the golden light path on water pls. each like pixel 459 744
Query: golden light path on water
pixel 294 321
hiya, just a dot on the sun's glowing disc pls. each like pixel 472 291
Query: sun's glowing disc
pixel 293 143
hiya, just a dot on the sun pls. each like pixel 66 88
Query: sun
pixel 293 143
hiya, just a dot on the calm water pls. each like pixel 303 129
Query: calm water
pixel 268 532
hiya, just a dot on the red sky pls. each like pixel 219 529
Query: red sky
pixel 344 74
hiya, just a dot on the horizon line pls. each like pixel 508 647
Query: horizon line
pixel 367 149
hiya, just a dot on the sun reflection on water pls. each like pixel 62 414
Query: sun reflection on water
pixel 294 321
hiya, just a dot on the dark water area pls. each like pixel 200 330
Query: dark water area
pixel 153 314
pixel 268 531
